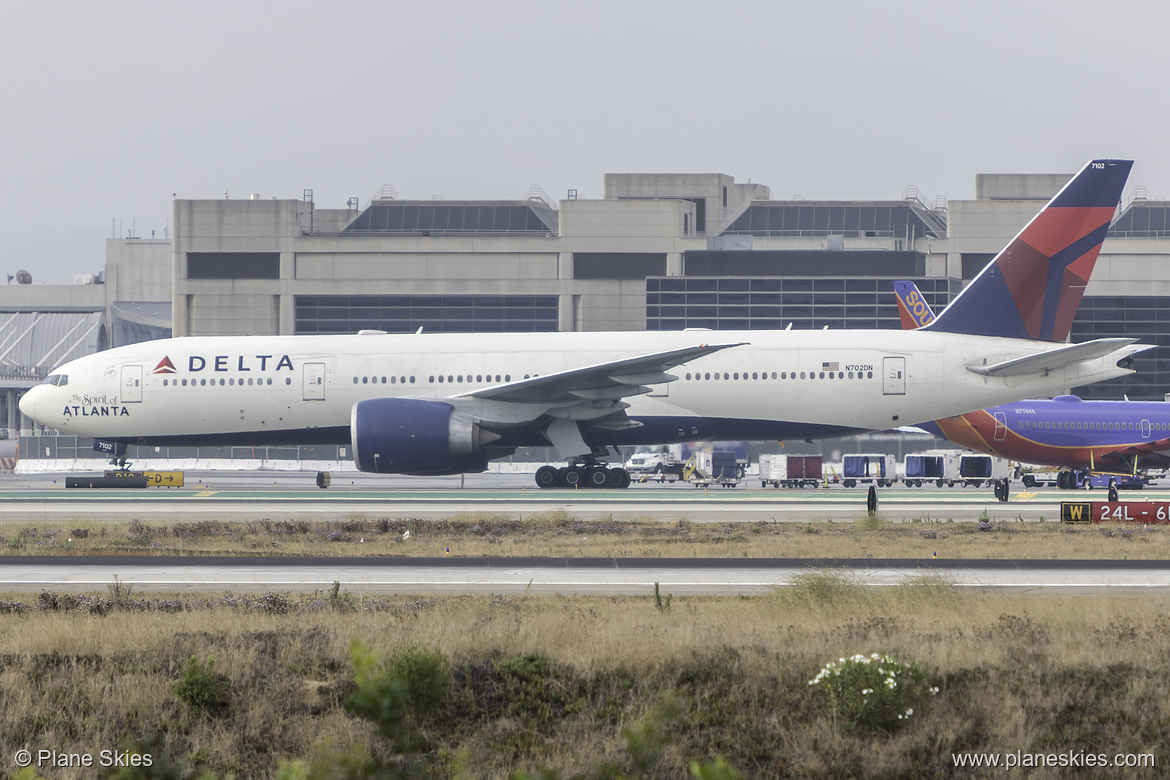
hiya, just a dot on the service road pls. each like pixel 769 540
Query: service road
pixel 220 496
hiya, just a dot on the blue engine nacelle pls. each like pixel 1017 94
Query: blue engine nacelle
pixel 414 436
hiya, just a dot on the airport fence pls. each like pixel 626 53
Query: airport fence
pixel 69 453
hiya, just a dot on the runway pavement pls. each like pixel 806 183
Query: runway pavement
pixel 566 576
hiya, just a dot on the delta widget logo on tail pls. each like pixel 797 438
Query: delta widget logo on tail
pixel 165 366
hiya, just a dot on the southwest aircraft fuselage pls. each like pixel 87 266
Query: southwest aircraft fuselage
pixel 1069 432
pixel 772 385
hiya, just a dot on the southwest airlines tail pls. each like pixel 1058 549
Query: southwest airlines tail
pixel 912 307
pixel 1032 288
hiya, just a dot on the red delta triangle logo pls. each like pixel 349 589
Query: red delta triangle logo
pixel 165 366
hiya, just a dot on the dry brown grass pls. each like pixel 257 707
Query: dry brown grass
pixel 558 534
pixel 1017 672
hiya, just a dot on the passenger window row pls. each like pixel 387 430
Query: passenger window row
pixel 453 379
pixel 782 375
pixel 373 380
pixel 1086 426
pixel 228 382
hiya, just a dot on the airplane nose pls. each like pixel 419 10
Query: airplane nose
pixel 28 403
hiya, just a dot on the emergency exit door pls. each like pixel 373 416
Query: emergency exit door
pixel 1000 427
pixel 131 384
pixel 314 382
pixel 894 376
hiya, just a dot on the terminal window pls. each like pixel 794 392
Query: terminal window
pixel 233 265
pixel 432 313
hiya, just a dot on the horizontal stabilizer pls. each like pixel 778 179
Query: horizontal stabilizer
pixel 1052 359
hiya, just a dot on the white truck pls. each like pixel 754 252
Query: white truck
pixel 659 463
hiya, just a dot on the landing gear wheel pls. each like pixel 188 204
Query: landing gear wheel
pixel 572 476
pixel 323 479
pixel 619 478
pixel 547 477
pixel 598 477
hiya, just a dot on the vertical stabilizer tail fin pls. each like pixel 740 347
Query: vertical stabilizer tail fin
pixel 912 307
pixel 1032 288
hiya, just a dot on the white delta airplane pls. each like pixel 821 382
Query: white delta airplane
pixel 450 403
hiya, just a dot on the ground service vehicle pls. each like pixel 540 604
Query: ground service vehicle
pixel 661 464
pixel 719 467
pixel 1084 479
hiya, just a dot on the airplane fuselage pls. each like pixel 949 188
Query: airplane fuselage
pixel 1066 431
pixel 301 389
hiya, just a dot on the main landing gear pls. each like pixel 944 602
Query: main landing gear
pixel 585 475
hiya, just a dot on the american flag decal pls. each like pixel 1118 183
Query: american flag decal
pixel 834 366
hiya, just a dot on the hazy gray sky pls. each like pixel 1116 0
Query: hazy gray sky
pixel 110 108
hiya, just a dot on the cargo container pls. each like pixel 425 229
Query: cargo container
pixel 975 469
pixel 940 467
pixel 791 471
pixel 868 468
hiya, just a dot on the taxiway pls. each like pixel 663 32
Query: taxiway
pixel 216 495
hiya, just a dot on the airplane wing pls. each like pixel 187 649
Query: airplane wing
pixel 1148 454
pixel 612 380
pixel 1053 358
pixel 592 393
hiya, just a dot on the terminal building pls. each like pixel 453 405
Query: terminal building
pixel 657 251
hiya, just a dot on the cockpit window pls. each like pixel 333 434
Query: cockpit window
pixel 57 380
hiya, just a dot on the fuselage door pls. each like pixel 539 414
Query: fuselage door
pixel 1147 429
pixel 314 382
pixel 1000 426
pixel 131 384
pixel 894 376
